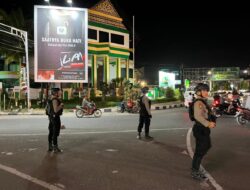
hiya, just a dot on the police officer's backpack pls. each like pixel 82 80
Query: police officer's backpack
pixel 49 111
pixel 191 108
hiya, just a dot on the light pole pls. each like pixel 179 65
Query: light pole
pixel 209 73
pixel 133 48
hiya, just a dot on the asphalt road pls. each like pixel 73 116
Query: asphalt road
pixel 104 154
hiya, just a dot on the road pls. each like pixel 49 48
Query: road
pixel 104 154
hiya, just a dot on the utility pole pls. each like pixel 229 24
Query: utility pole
pixel 182 76
pixel 134 48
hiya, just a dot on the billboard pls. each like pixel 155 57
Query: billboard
pixel 60 44
pixel 166 79
pixel 225 73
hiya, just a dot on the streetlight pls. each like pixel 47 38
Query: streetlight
pixel 209 79
pixel 245 71
pixel 143 83
pixel 46 1
pixel 232 86
pixel 69 2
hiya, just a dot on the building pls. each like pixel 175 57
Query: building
pixel 108 46
pixel 219 78
pixel 196 74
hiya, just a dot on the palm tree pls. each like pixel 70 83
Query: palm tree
pixel 4 17
pixel 14 19
pixel 11 46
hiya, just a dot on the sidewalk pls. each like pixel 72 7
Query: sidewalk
pixel 158 106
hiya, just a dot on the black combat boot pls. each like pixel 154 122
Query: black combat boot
pixel 138 136
pixel 56 149
pixel 147 136
pixel 198 175
pixel 50 147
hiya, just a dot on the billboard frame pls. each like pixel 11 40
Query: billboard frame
pixel 36 7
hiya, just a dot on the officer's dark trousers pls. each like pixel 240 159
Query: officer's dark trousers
pixel 54 130
pixel 144 120
pixel 203 144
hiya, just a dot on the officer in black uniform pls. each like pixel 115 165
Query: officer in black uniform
pixel 204 121
pixel 145 114
pixel 54 120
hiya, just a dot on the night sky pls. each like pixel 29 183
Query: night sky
pixel 200 35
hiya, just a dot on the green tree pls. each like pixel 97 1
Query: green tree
pixel 227 86
pixel 179 94
pixel 170 93
pixel 104 88
pixel 92 93
pixel 15 18
pixel 215 87
pixel 244 85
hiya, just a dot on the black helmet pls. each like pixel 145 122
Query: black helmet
pixel 145 89
pixel 201 86
pixel 55 90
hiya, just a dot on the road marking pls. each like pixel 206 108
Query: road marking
pixel 88 132
pixel 29 178
pixel 111 150
pixel 191 154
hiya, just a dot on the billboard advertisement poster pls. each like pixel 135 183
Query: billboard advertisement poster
pixel 61 44
pixel 166 79
pixel 225 73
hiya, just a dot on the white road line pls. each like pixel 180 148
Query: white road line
pixel 29 178
pixel 88 132
pixel 191 154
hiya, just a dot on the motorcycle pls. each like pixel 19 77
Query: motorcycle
pixel 219 108
pixel 130 107
pixel 83 111
pixel 242 116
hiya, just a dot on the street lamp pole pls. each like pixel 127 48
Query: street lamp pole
pixel 27 68
pixel 134 48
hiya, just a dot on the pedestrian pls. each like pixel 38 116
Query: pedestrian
pixel 204 121
pixel 145 114
pixel 54 120
pixel 190 98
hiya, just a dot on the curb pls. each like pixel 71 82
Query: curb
pixel 164 107
pixel 104 110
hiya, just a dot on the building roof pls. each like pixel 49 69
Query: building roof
pixel 105 13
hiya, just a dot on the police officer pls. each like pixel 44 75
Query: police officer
pixel 145 114
pixel 204 121
pixel 54 120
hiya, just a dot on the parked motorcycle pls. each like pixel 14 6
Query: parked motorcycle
pixel 130 107
pixel 242 116
pixel 83 111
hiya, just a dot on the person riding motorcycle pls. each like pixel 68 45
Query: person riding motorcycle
pixel 233 100
pixel 86 104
